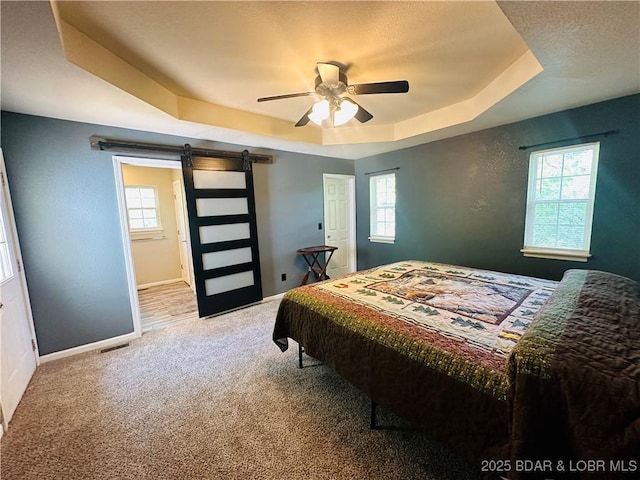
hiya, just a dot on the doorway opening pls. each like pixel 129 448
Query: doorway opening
pixel 155 234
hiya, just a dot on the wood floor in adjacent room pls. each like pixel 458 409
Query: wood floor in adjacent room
pixel 164 305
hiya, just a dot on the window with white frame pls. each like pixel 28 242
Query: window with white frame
pixel 142 208
pixel 382 195
pixel 560 199
pixel 6 271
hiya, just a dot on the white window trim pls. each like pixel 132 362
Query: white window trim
pixel 557 254
pixel 579 255
pixel 382 239
pixel 372 213
pixel 144 233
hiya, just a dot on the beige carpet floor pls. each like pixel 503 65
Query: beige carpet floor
pixel 209 399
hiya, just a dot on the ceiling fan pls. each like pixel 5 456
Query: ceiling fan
pixel 331 83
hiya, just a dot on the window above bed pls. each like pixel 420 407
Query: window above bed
pixel 382 197
pixel 560 198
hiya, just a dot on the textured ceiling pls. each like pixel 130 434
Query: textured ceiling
pixel 230 53
pixel 197 68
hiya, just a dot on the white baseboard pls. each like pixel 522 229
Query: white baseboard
pixel 161 282
pixel 273 297
pixel 110 342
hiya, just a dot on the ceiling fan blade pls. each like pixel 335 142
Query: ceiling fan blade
pixel 399 86
pixel 305 119
pixel 289 95
pixel 329 73
pixel 361 115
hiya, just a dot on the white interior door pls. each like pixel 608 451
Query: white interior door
pixel 19 356
pixel 339 222
pixel 186 266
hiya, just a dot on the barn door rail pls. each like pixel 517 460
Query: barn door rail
pixel 124 146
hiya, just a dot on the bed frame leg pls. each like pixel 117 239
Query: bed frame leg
pixel 299 355
pixel 373 414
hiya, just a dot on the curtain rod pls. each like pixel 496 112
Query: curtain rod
pixel 381 171
pixel 605 134
pixel 99 143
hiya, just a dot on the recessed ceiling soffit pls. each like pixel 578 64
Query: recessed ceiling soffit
pixel 426 110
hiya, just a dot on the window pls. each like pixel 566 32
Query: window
pixel 382 195
pixel 560 197
pixel 6 271
pixel 142 208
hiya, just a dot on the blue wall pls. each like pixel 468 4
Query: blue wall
pixel 66 214
pixel 462 200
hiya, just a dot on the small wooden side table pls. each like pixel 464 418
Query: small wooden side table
pixel 311 256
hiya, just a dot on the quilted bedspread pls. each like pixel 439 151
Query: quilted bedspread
pixel 575 380
pixel 493 365
pixel 462 321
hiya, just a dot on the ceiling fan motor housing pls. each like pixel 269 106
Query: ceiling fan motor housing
pixel 331 90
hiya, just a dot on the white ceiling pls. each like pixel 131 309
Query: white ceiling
pixel 195 69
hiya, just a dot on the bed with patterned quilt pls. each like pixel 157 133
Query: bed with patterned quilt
pixel 504 369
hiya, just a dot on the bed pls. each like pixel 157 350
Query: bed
pixel 503 369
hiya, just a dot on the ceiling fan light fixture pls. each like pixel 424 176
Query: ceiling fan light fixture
pixel 345 112
pixel 331 83
pixel 319 112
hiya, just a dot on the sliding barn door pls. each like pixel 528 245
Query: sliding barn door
pixel 224 236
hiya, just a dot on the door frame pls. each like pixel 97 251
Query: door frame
pixel 182 219
pixel 351 214
pixel 10 223
pixel 118 162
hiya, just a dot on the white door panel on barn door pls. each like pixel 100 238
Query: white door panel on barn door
pixel 339 216
pixel 224 238
pixel 19 358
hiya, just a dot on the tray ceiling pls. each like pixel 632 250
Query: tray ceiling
pixel 197 68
